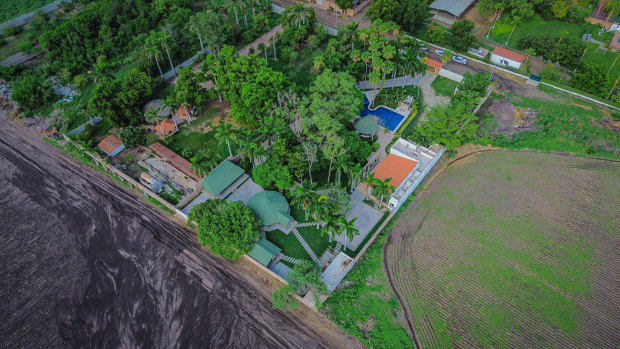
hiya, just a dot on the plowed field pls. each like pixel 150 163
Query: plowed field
pixel 513 250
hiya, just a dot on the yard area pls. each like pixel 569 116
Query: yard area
pixel 528 245
pixel 444 86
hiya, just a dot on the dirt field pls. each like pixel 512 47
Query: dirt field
pixel 513 250
pixel 86 264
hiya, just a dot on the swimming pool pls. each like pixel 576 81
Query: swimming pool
pixel 389 118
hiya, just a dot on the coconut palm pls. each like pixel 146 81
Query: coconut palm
pixel 355 174
pixel 262 48
pixel 383 189
pixel 411 64
pixel 169 103
pixel 225 133
pixel 236 4
pixel 366 58
pixel 331 226
pixel 318 62
pixel 371 183
pixel 165 39
pixel 303 195
pixel 320 209
pixel 153 52
pixel 186 152
pixel 516 20
pixel 447 56
pixel 196 23
pixel 152 115
pixel 341 164
pixel 349 229
pixel 297 14
pixel 350 33
pixel 199 167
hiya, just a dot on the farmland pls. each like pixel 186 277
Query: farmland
pixel 13 8
pixel 513 250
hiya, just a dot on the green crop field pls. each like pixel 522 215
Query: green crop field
pixel 513 250
pixel 10 9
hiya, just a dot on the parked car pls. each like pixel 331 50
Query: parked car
pixel 424 48
pixel 459 59
pixel 438 52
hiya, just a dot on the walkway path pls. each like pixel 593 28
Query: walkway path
pixel 264 39
pixel 398 82
pixel 305 245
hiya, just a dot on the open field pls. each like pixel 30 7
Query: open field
pixel 513 250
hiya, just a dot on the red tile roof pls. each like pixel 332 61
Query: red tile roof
pixel 110 143
pixel 182 111
pixel 433 63
pixel 395 167
pixel 166 124
pixel 179 162
pixel 506 53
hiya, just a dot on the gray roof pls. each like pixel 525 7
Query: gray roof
pixel 454 7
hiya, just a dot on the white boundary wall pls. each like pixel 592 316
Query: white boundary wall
pixel 451 75
pixel 27 17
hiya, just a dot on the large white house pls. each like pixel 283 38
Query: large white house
pixel 506 57
pixel 407 164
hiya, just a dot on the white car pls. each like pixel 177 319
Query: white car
pixel 438 52
pixel 459 59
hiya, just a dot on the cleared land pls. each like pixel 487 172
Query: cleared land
pixel 513 250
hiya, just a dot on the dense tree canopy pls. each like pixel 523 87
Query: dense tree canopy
pixel 462 36
pixel 449 125
pixel 592 78
pixel 32 92
pixel 565 50
pixel 228 229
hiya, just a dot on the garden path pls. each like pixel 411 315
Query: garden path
pixel 264 39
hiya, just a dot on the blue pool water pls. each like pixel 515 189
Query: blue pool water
pixel 388 118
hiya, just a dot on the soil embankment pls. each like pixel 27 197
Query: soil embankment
pixel 85 263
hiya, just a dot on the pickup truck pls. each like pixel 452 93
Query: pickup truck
pixel 459 59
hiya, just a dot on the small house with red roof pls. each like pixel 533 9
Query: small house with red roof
pixel 433 65
pixel 184 110
pixel 506 57
pixel 111 145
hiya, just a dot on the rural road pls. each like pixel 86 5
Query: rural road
pixel 85 263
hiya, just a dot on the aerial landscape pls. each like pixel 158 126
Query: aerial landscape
pixel 310 174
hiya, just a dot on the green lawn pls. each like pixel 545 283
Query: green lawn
pixel 444 86
pixel 193 136
pixel 408 130
pixel 313 238
pixel 535 25
pixel 288 243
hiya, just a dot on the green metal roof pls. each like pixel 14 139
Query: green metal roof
pixel 263 251
pixel 271 207
pixel 221 177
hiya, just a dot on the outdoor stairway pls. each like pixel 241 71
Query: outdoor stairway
pixel 380 208
pixel 338 247
pixel 290 259
pixel 263 234
pixel 305 245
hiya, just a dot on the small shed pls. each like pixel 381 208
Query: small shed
pixel 111 145
pixel 222 177
pixel 264 251
pixel 184 110
pixel 506 57
pixel 433 65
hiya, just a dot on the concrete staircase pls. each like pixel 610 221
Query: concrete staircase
pixel 305 245
pixel 338 248
pixel 263 234
pixel 290 259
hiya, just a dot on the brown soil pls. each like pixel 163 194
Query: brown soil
pixel 509 118
pixel 87 263
pixel 608 123
pixel 482 25
pixel 571 205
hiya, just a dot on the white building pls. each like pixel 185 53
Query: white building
pixel 506 57
pixel 407 164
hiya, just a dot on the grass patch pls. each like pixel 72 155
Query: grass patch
pixel 535 25
pixel 410 127
pixel 161 206
pixel 444 86
pixel 369 300
pixel 313 238
pixel 288 243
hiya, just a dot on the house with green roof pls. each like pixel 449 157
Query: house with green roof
pixel 264 251
pixel 222 177
pixel 272 208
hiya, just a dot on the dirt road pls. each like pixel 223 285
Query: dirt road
pixel 84 263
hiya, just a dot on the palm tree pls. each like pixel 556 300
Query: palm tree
pixel 371 183
pixel 366 57
pixel 350 33
pixel 563 33
pixel 169 103
pixel 196 23
pixel 235 4
pixel 165 38
pixel 318 62
pixel 383 189
pixel 447 56
pixel 297 14
pixel 331 226
pixel 341 164
pixel 186 152
pixel 263 48
pixel 199 167
pixel 153 116
pixel 303 195
pixel 252 2
pixel 411 64
pixel 355 174
pixel 529 53
pixel 320 209
pixel 349 229
pixel 225 133
pixel 153 52
pixel 516 19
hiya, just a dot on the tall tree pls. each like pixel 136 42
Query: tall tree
pixel 225 133
pixel 303 195
pixel 448 124
pixel 349 229
pixel 152 116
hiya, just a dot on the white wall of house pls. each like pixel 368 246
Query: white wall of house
pixel 505 61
